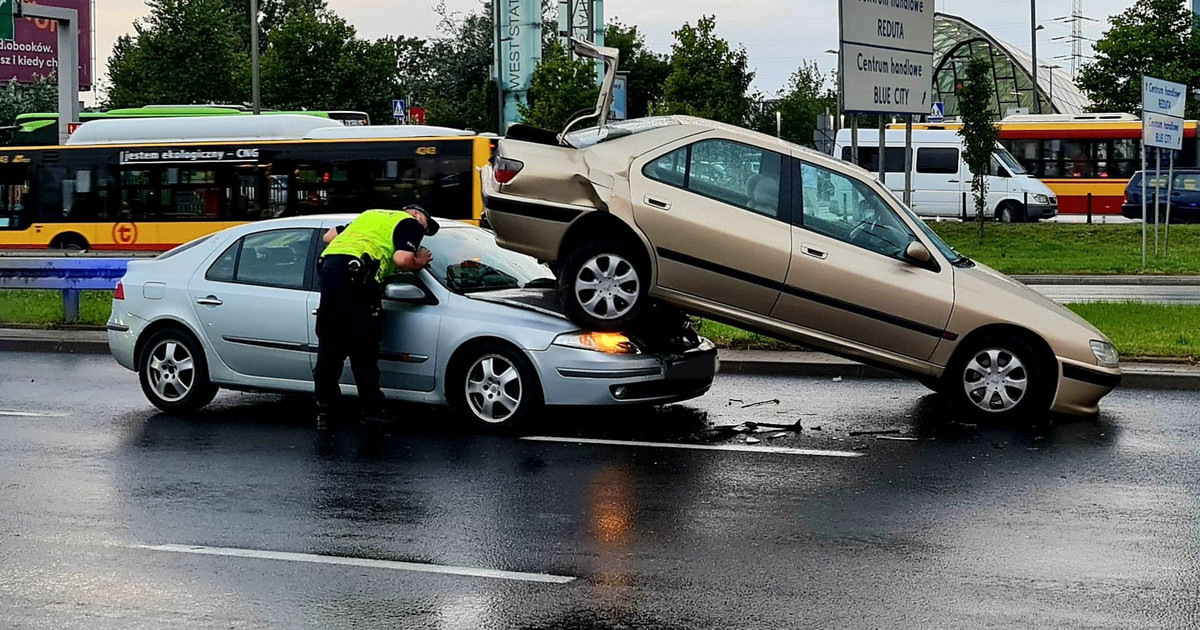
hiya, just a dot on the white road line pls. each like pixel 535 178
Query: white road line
pixel 32 414
pixel 360 562
pixel 698 447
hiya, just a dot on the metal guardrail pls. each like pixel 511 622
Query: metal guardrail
pixel 68 275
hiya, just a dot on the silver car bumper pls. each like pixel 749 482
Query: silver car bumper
pixel 571 376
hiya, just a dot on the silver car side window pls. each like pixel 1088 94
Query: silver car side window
pixel 841 207
pixel 277 258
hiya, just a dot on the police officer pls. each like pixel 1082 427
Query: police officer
pixel 349 321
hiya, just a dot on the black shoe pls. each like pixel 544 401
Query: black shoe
pixel 324 418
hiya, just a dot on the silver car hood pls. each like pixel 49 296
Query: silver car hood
pixel 542 301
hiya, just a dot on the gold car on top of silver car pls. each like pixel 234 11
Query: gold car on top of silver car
pixel 766 235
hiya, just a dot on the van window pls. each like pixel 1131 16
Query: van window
pixel 868 158
pixel 937 161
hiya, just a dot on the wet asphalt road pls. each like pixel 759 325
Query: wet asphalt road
pixel 1082 524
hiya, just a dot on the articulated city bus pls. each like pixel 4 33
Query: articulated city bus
pixel 117 188
pixel 1078 154
pixel 41 128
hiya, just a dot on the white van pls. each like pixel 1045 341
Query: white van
pixel 940 177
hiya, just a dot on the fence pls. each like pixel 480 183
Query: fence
pixel 68 275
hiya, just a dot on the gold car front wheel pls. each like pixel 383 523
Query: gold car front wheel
pixel 1002 378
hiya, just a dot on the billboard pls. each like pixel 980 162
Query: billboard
pixel 34 51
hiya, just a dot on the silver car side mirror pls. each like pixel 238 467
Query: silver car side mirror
pixel 404 293
pixel 918 252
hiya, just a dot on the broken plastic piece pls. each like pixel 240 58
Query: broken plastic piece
pixel 837 379
pixel 761 402
pixel 752 440
pixel 876 432
pixel 776 436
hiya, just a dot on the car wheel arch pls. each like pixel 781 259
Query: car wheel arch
pixel 599 225
pixel 1044 351
pixel 459 359
pixel 158 325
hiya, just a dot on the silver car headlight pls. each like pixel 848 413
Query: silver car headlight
pixel 608 343
pixel 1105 353
pixel 1042 199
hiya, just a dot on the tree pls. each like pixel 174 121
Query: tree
pixel 1153 37
pixel 647 70
pixel 559 89
pixel 454 82
pixel 17 98
pixel 271 15
pixel 316 61
pixel 185 51
pixel 708 78
pixel 806 97
pixel 979 131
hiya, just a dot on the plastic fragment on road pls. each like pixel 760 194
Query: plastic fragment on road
pixel 776 436
pixel 897 438
pixel 773 401
pixel 818 427
pixel 837 379
pixel 875 432
pixel 752 440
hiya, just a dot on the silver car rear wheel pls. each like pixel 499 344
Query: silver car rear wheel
pixel 607 286
pixel 995 380
pixel 173 371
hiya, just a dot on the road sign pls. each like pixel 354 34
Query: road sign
pixel 417 114
pixel 937 113
pixel 887 56
pixel 400 110
pixel 1163 103
pixel 8 28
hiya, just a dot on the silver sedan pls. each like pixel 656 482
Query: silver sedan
pixel 479 329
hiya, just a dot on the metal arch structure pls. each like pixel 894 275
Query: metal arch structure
pixel 68 57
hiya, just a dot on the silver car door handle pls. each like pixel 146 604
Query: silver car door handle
pixel 815 253
pixel 314 312
pixel 657 203
pixel 210 300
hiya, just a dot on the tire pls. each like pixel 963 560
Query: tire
pixel 71 241
pixel 620 280
pixel 174 372
pixel 932 384
pixel 983 381
pixel 1010 212
pixel 494 387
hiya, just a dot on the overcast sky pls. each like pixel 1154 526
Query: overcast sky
pixel 777 34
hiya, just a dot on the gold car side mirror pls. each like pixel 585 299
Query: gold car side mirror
pixel 918 252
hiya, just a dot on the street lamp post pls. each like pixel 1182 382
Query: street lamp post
pixel 1037 102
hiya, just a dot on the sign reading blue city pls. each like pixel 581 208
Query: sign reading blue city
pixel 1163 104
pixel 887 55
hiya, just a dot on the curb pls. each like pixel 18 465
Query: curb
pixel 1148 376
pixel 1103 280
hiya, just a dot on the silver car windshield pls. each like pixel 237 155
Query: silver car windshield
pixel 468 260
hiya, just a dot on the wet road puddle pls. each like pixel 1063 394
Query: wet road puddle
pixel 740 448
pixel 4 413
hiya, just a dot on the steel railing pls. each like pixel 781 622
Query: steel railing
pixel 68 275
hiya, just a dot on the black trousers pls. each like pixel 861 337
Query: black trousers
pixel 349 324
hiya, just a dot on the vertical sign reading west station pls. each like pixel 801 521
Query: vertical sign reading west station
pixel 887 55
pixel 520 41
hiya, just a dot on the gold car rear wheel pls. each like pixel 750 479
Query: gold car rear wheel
pixel 602 286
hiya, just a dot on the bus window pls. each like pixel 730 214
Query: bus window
pixel 14 197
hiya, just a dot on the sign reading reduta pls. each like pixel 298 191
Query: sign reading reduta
pixel 34 49
pixel 1163 103
pixel 887 55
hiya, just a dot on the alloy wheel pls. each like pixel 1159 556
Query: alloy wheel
pixel 607 286
pixel 171 369
pixel 494 388
pixel 995 380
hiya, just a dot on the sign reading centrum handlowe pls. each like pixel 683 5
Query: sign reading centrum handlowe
pixel 34 50
pixel 1163 103
pixel 887 55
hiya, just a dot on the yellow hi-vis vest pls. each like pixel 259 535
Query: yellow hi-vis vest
pixel 370 234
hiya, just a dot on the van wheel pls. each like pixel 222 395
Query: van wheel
pixel 1010 212
pixel 603 286
pixel 173 372
pixel 1001 378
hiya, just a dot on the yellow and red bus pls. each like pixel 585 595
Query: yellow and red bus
pixel 111 194
pixel 1078 154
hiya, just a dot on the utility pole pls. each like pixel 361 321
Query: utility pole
pixel 254 86
pixel 1033 26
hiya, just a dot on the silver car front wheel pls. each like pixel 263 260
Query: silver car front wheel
pixel 995 380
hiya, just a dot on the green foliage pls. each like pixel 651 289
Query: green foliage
pixel 271 15
pixel 450 74
pixel 979 131
pixel 1153 37
pixel 185 51
pixel 806 97
pixel 708 78
pixel 559 89
pixel 316 61
pixel 17 98
pixel 648 70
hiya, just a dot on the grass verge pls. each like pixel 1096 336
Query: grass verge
pixel 45 308
pixel 1072 248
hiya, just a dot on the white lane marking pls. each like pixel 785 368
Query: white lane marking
pixel 32 414
pixel 698 447
pixel 360 562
